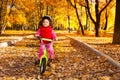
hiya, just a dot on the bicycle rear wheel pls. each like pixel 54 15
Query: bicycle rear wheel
pixel 43 66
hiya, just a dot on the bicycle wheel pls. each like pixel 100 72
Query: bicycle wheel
pixel 43 66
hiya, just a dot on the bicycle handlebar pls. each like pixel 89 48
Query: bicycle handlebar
pixel 46 39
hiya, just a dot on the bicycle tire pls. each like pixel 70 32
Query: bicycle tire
pixel 43 66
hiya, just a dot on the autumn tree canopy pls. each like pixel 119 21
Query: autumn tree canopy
pixel 66 14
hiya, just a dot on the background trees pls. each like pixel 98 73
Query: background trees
pixel 14 13
pixel 79 15
pixel 74 5
pixel 98 13
pixel 2 14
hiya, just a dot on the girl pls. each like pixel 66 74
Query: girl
pixel 45 31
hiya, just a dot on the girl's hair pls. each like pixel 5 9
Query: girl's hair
pixel 48 18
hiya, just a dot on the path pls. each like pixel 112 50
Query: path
pixel 72 62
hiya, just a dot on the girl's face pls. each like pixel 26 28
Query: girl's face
pixel 46 23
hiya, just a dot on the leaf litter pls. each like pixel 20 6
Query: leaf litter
pixel 71 62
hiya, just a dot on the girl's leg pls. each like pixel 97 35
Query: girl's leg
pixel 41 50
pixel 50 50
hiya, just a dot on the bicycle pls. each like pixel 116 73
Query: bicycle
pixel 44 58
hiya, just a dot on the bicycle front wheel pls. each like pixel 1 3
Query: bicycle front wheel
pixel 43 66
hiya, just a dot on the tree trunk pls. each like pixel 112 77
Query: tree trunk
pixel 0 30
pixel 0 20
pixel 80 24
pixel 75 7
pixel 68 23
pixel 81 14
pixel 106 17
pixel 87 19
pixel 97 14
pixel 41 10
pixel 47 10
pixel 116 36
pixel 4 28
pixel 97 24
pixel 97 29
pixel 106 23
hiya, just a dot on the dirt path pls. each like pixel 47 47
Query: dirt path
pixel 72 62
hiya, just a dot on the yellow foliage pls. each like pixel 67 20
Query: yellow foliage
pixel 21 19
pixel 30 11
pixel 8 24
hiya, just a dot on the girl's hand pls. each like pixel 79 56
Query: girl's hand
pixel 38 37
pixel 56 39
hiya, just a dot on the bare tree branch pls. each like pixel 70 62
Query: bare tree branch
pixel 88 8
pixel 83 5
pixel 71 3
pixel 104 7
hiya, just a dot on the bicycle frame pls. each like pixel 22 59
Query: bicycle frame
pixel 45 55
pixel 44 58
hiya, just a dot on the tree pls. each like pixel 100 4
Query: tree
pixel 98 13
pixel 3 5
pixel 116 36
pixel 76 10
pixel 106 17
